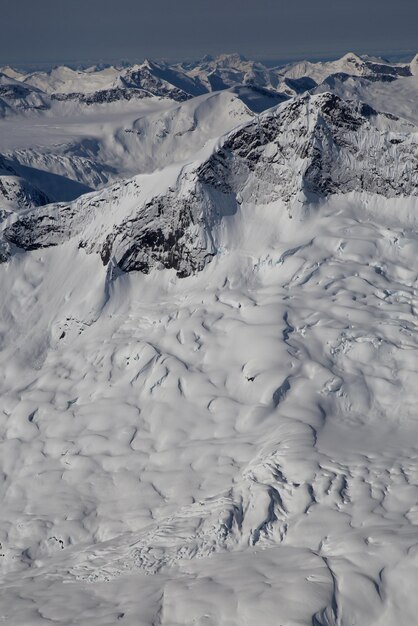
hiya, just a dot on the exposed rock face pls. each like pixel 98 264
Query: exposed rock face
pixel 17 193
pixel 179 82
pixel 168 233
pixel 21 193
pixel 6 168
pixel 350 64
pixel 145 77
pixel 102 96
pixel 306 149
pixel 137 82
pixel 319 145
pixel 15 97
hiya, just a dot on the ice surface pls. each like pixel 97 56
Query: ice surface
pixel 239 446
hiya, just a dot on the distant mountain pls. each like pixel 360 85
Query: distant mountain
pixel 152 140
pixel 15 96
pixel 184 106
pixel 228 70
pixel 180 82
pixel 159 79
pixel 25 185
pixel 350 64
pixel 61 80
pixel 208 345
pixel 414 66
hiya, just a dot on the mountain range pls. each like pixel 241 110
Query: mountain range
pixel 170 128
pixel 209 344
pixel 95 85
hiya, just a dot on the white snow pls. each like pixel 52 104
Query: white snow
pixel 350 64
pixel 235 447
pixel 94 147
pixel 66 80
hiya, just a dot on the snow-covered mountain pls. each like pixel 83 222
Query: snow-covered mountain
pixel 305 150
pixel 64 80
pixel 136 143
pixel 228 70
pixel 351 64
pixel 98 85
pixel 17 192
pixel 16 97
pixel 161 80
pixel 209 363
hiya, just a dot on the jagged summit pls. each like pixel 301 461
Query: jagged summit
pixel 414 65
pixel 309 148
pixel 16 193
pixel 209 348
pixel 104 84
pixel 351 57
pixel 232 60
pixel 227 60
pixel 350 64
pixel 9 71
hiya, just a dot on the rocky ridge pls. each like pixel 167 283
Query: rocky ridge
pixel 297 154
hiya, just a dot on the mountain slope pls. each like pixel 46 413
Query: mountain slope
pixel 216 444
pixel 350 64
pixel 16 192
pixel 305 150
pixel 15 97
pixel 151 79
pixel 208 390
pixel 396 99
pixel 136 142
pixel 61 80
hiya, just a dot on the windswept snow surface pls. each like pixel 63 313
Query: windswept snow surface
pixel 209 375
pixel 89 149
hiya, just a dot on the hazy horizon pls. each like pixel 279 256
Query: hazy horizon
pixel 51 33
pixel 400 56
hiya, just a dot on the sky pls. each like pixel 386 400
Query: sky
pixel 77 31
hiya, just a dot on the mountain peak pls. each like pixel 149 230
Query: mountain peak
pixel 11 73
pixel 352 57
pixel 414 65
pixel 308 148
pixel 231 58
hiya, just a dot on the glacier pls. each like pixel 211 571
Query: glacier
pixel 209 351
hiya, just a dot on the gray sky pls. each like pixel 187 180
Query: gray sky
pixel 53 31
